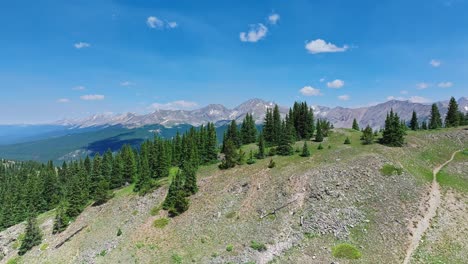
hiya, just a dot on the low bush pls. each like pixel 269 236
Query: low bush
pixel 389 169
pixel 161 222
pixel 346 251
pixel 258 246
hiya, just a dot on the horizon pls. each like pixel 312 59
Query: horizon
pixel 68 60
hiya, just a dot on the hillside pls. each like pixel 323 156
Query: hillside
pixel 296 212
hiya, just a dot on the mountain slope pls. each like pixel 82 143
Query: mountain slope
pixel 337 195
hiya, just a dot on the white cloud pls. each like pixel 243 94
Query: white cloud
pixel 92 97
pixel 322 79
pixel 176 105
pixel 172 24
pixel 445 84
pixel 336 84
pixel 399 98
pixel 79 88
pixel 310 91
pixel 256 33
pixel 154 22
pixel 126 83
pixel 422 86
pixel 82 45
pixel 435 63
pixel 344 97
pixel 419 99
pixel 63 100
pixel 273 18
pixel 321 46
pixel 404 92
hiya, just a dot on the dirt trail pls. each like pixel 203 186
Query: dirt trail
pixel 432 204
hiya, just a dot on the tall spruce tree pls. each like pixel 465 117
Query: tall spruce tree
pixel 32 238
pixel 355 125
pixel 414 124
pixel 319 133
pixel 261 147
pixel 367 136
pixel 452 119
pixel 435 121
pixel 305 150
pixel 424 125
pixel 230 155
pixel 393 134
pixel 248 130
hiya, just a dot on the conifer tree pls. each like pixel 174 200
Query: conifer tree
pixel 233 134
pixel 435 120
pixel 106 167
pixel 367 136
pixel 117 172
pixel 320 146
pixel 355 125
pixel 102 192
pixel 248 130
pixel 230 156
pixel 129 164
pixel 452 119
pixel 251 159
pixel 32 238
pixel 190 175
pixel 261 147
pixel 143 182
pixel 347 141
pixel 276 125
pixel 176 202
pixel 414 124
pixel 211 144
pixel 61 218
pixel 284 147
pixel 305 150
pixel 424 125
pixel 393 134
pixel 268 127
pixel 319 135
pixel 240 157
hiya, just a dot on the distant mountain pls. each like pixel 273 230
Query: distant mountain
pixel 220 115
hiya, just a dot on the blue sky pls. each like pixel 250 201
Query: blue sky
pixel 66 59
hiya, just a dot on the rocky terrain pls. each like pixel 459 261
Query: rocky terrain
pixel 297 212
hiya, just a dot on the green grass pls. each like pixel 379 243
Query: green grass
pixel 176 259
pixel 15 260
pixel 389 169
pixel 124 191
pixel 454 180
pixel 229 248
pixel 258 246
pixel 346 251
pixel 161 222
pixel 44 246
pixel 155 210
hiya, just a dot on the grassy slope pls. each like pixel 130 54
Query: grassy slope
pixel 227 208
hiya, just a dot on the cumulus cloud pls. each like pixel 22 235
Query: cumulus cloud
pixel 310 91
pixel 256 33
pixel 435 63
pixel 422 86
pixel 273 18
pixel 445 84
pixel 79 88
pixel 92 97
pixel 321 46
pixel 336 84
pixel 172 24
pixel 344 97
pixel 82 45
pixel 154 22
pixel 175 105
pixel 63 100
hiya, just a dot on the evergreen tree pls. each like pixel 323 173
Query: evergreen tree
pixel 248 130
pixel 347 141
pixel 61 218
pixel 284 147
pixel 190 175
pixel 240 157
pixel 251 159
pixel 32 238
pixel 414 124
pixel 102 192
pixel 176 202
pixel 143 182
pixel 424 125
pixel 320 147
pixel 96 174
pixel 261 147
pixel 230 156
pixel 276 125
pixel 233 135
pixel 106 167
pixel 319 135
pixel 268 127
pixel 367 136
pixel 452 119
pixel 393 134
pixel 271 164
pixel 211 144
pixel 435 120
pixel 355 125
pixel 117 179
pixel 129 164
pixel 305 150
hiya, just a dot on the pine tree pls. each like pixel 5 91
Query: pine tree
pixel 367 136
pixel 435 120
pixel 143 182
pixel 268 127
pixel 347 141
pixel 230 156
pixel 233 135
pixel 129 164
pixel 211 144
pixel 190 175
pixel 424 125
pixel 320 146
pixel 117 179
pixel 271 164
pixel 355 125
pixel 276 125
pixel 261 147
pixel 393 134
pixel 319 135
pixel 452 119
pixel 102 192
pixel 414 124
pixel 248 130
pixel 61 218
pixel 251 159
pixel 106 167
pixel 176 202
pixel 240 157
pixel 284 146
pixel 32 238
pixel 305 150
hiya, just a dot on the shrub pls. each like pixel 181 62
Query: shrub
pixel 346 251
pixel 161 222
pixel 257 246
pixel 389 169
pixel 103 253
pixel 177 259
pixel 272 164
pixel 320 146
pixel 44 246
pixel 155 210
pixel 272 152
pixel 14 260
pixel 347 141
pixel 231 214
pixel 119 232
pixel 229 248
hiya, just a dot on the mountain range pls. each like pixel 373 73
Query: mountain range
pixel 220 115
